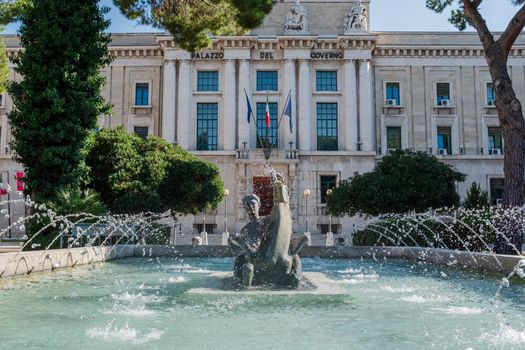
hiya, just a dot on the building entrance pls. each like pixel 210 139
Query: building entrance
pixel 262 187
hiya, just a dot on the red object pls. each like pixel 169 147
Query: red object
pixel 20 181
pixel 3 189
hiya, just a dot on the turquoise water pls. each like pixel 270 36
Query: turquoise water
pixel 141 303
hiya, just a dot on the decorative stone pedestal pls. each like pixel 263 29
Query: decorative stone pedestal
pixel 329 239
pixel 313 283
pixel 225 236
pixel 204 237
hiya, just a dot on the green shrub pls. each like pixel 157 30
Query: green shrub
pixel 476 198
pixel 157 234
pixel 74 205
pixel 461 229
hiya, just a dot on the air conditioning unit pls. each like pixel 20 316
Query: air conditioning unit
pixel 391 102
pixel 499 201
pixel 391 150
pixel 445 102
pixel 442 151
pixel 491 102
pixel 494 151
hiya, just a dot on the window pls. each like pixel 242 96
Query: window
pixel 496 191
pixel 141 131
pixel 263 135
pixel 392 93
pixel 325 228
pixel 393 138
pixel 491 95
pixel 210 228
pixel 328 182
pixel 495 139
pixel 208 81
pixel 207 116
pixel 444 140
pixel 141 94
pixel 267 80
pixel 442 93
pixel 327 126
pixel 326 80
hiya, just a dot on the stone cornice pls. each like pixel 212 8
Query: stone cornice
pixel 135 51
pixel 365 42
pixel 438 51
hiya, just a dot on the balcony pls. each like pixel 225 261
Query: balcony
pixel 258 154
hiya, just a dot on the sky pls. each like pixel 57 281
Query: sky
pixel 386 15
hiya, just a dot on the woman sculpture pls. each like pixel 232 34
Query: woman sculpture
pixel 264 245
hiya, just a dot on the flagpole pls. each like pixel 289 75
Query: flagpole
pixel 284 107
pixel 254 122
pixel 267 127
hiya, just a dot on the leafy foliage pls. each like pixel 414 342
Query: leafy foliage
pixel 4 69
pixel 192 21
pixel 10 10
pixel 75 204
pixel 401 182
pixel 135 175
pixel 58 101
pixel 476 198
pixel 457 14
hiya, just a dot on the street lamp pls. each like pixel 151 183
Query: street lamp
pixel 328 193
pixel 226 194
pixel 329 234
pixel 306 194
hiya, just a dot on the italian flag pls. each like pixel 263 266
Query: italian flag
pixel 267 111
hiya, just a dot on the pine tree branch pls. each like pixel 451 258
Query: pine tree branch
pixel 477 21
pixel 513 30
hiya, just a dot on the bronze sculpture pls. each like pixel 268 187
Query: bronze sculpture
pixel 266 253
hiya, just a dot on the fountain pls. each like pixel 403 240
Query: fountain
pixel 405 289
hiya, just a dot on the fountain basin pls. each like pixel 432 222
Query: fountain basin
pixel 145 303
pixel 22 263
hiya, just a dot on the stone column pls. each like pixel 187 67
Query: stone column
pixel 169 96
pixel 366 112
pixel 304 119
pixel 183 116
pixel 289 86
pixel 228 124
pixel 243 128
pixel 350 105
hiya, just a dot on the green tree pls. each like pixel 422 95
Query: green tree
pixel 466 12
pixel 476 198
pixel 58 101
pixel 191 22
pixel 401 182
pixel 191 185
pixel 135 175
pixel 9 11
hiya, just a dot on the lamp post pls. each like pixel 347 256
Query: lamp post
pixel 306 194
pixel 225 234
pixel 328 193
pixel 329 234
pixel 226 194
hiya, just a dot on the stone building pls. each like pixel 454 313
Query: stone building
pixel 355 95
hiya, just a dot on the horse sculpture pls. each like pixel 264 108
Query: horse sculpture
pixel 266 253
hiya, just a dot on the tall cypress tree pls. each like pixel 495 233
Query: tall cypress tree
pixel 58 100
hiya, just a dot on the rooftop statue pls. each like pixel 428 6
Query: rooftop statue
pixel 266 253
pixel 356 19
pixel 296 20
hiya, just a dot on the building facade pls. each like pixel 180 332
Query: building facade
pixel 355 95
